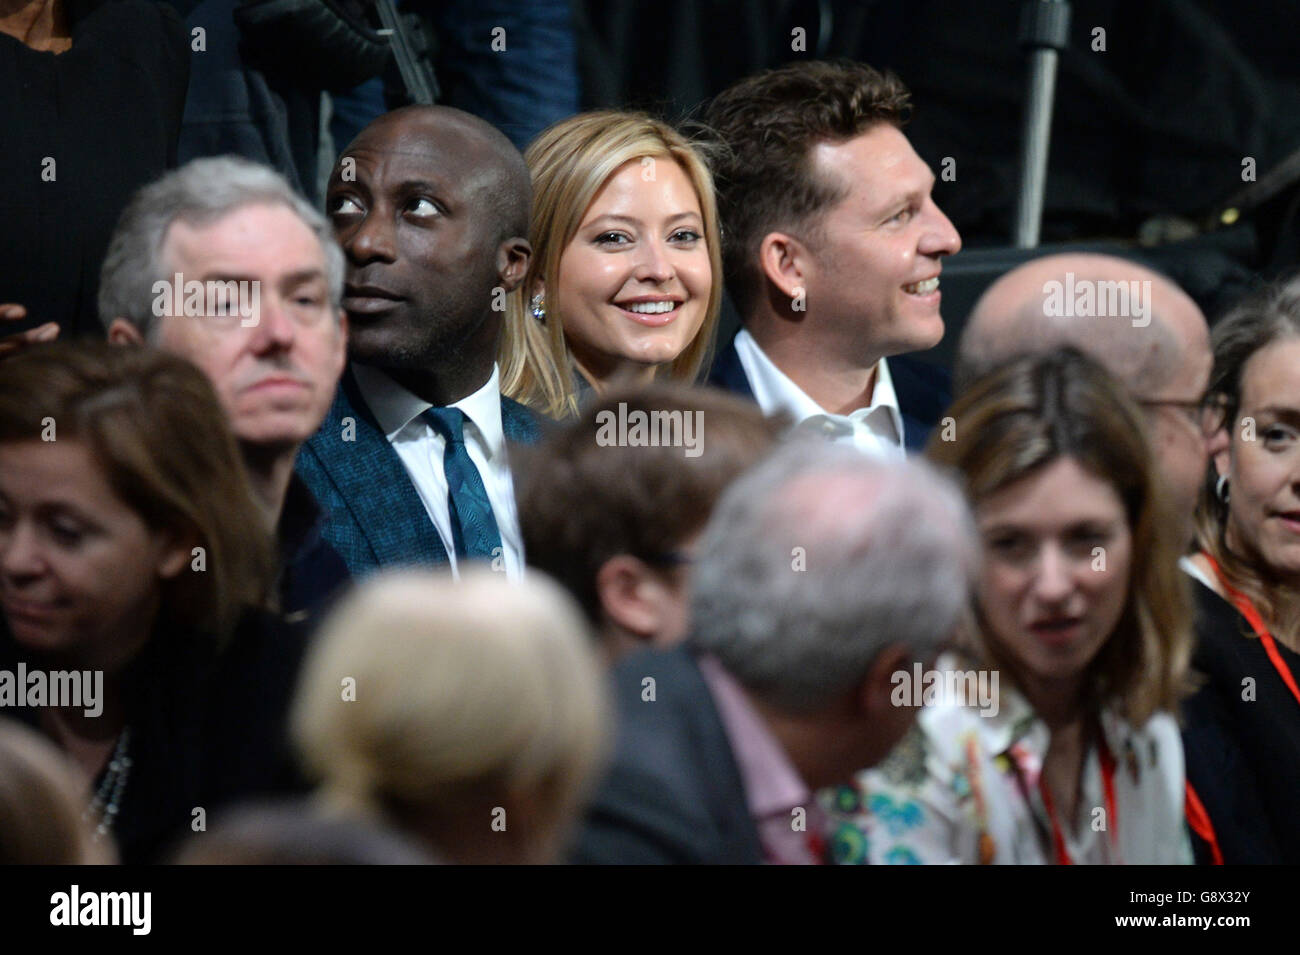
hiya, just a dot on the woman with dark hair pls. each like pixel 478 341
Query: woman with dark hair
pixel 1248 531
pixel 132 558
pixel 1079 642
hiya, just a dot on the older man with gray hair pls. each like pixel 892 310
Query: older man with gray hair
pixel 819 576
pixel 222 263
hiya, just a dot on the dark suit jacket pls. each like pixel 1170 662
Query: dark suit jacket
pixel 311 571
pixel 673 793
pixel 924 390
pixel 1243 755
pixel 373 514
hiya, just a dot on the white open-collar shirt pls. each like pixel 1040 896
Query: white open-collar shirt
pixel 876 429
pixel 421 449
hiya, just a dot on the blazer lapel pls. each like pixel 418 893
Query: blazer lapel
pixel 520 423
pixel 924 392
pixel 371 479
pixel 728 373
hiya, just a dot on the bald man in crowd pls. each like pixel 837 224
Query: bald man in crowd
pixel 431 207
pixel 1154 339
pixel 1157 346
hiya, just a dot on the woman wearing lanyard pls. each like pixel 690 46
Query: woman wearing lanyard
pixel 1248 529
pixel 1047 735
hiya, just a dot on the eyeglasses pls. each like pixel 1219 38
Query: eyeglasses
pixel 1204 414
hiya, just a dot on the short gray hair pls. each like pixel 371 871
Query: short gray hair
pixel 199 193
pixel 821 557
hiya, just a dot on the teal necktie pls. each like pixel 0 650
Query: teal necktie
pixel 474 529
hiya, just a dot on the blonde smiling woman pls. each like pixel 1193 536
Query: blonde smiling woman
pixel 625 279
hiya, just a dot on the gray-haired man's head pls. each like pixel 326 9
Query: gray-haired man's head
pixel 221 262
pixel 820 559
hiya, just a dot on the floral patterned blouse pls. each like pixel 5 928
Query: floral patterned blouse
pixel 964 788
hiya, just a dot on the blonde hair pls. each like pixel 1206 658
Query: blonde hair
pixel 1036 410
pixel 41 805
pixel 464 691
pixel 570 161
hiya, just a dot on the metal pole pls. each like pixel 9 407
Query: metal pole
pixel 1044 32
pixel 417 85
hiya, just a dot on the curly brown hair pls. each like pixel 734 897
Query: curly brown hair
pixel 766 126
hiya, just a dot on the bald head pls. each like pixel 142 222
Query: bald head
pixel 483 157
pixel 1135 322
pixel 431 208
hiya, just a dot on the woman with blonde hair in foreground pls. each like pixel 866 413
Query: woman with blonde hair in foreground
pixel 41 805
pixel 470 714
pixel 625 281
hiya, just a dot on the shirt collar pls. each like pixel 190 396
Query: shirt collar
pixel 1015 721
pixel 1015 724
pixel 772 784
pixel 1189 567
pixel 776 392
pixel 395 408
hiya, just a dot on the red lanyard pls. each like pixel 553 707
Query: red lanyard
pixel 1247 609
pixel 1199 820
pixel 1108 784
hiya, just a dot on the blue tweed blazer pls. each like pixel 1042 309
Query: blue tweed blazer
pixel 373 516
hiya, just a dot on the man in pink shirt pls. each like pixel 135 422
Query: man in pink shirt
pixel 820 576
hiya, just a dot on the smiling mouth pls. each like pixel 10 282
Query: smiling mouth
pixel 653 312
pixel 924 287
pixel 1291 519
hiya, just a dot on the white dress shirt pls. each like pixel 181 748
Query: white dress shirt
pixel 421 449
pixel 876 429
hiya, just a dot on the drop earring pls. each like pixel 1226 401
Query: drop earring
pixel 538 306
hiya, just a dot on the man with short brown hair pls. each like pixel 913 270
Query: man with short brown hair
pixel 832 253
pixel 611 504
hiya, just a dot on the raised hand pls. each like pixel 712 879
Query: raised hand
pixel 10 344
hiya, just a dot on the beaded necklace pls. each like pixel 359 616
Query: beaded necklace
pixel 107 800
